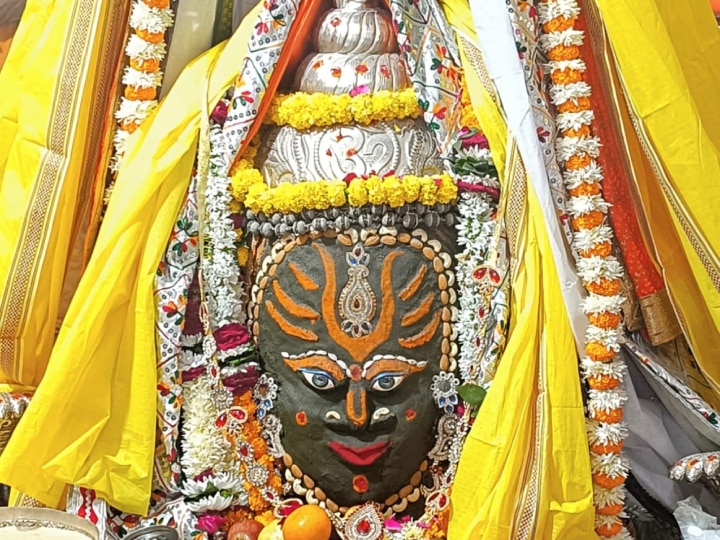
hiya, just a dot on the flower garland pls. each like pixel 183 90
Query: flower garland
pixel 250 189
pixel 578 148
pixel 221 274
pixel 146 49
pixel 304 111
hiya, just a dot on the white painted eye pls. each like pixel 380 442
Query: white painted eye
pixel 385 382
pixel 318 379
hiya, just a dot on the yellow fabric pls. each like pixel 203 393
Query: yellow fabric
pixel 667 54
pixel 46 91
pixel 92 420
pixel 526 458
pixel 538 375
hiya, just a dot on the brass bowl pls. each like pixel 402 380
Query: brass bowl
pixel 32 519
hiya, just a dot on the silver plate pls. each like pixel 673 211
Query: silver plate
pixel 154 533
pixel 36 518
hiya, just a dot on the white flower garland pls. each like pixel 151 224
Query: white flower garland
pixel 146 56
pixel 598 268
pixel 221 273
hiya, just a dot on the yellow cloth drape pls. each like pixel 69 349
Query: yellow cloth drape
pixel 47 100
pixel 525 467
pixel 666 53
pixel 92 420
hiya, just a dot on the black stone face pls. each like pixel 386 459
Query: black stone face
pixel 350 335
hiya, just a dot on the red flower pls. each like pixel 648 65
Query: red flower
pixel 231 336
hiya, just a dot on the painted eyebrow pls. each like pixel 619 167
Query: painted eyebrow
pixel 318 359
pixel 414 364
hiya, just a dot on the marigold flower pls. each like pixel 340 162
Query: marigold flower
pixel 599 352
pixel 566 76
pixel 563 52
pixel 610 509
pixel 558 24
pixel 585 189
pixel 588 221
pixel 575 105
pixel 129 126
pixel 160 4
pixel 577 162
pixel 607 482
pixel 610 529
pixel 146 65
pixel 584 131
pixel 613 416
pixel 603 382
pixel 605 287
pixel 608 448
pixel 605 319
pixel 150 37
pixel 598 250
pixel 135 93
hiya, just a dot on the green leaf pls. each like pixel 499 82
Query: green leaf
pixel 472 394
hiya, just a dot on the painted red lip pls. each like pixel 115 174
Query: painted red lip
pixel 360 456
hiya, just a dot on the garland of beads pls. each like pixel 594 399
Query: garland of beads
pixel 145 49
pixel 578 148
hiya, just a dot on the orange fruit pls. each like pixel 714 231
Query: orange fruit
pixel 309 522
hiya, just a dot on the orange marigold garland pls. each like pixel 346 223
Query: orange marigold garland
pixel 578 148
pixel 145 49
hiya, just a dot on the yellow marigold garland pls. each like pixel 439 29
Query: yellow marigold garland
pixel 304 111
pixel 249 189
pixel 597 266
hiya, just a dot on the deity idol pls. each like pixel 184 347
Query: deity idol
pixel 352 308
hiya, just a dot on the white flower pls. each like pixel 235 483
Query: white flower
pixel 567 92
pixel 585 239
pixel 595 303
pixel 211 503
pixel 142 79
pixel 604 433
pixel 584 204
pixel 612 465
pixel 135 110
pixel 568 9
pixel 607 497
pixel 561 65
pixel 574 120
pixel 590 174
pixel 154 20
pixel 605 400
pixel 138 48
pixel 566 37
pixel 593 269
pixel 610 337
pixel 567 147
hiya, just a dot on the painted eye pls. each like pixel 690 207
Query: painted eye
pixel 318 379
pixel 387 381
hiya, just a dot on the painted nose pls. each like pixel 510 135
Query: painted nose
pixel 356 406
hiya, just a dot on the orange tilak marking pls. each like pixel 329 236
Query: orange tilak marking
pixel 305 281
pixel 291 306
pixel 419 312
pixel 392 366
pixel 316 361
pixel 357 417
pixel 412 287
pixel 287 327
pixel 422 337
pixel 358 348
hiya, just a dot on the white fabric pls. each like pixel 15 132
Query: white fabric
pixel 495 36
pixel 192 35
